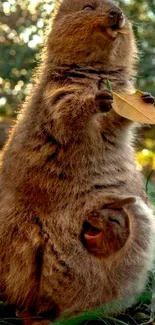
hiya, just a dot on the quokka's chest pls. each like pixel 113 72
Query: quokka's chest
pixel 101 169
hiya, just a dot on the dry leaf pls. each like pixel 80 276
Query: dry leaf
pixel 134 108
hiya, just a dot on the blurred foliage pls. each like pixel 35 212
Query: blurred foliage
pixel 142 15
pixel 22 26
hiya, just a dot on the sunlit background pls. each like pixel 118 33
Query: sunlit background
pixel 22 26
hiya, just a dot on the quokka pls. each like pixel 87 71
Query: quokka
pixel 76 231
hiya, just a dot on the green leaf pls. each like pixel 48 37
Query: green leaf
pixel 108 84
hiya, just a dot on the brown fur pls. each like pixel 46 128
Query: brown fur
pixel 64 159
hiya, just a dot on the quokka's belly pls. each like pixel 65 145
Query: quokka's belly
pixel 96 280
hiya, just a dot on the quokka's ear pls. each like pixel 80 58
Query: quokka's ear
pixel 120 203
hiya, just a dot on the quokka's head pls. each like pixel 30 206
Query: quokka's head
pixel 91 31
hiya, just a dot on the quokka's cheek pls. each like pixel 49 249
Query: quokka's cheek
pixel 106 232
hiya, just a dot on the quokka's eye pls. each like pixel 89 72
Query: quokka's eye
pixel 88 7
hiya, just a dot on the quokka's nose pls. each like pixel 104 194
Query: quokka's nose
pixel 117 17
pixel 115 12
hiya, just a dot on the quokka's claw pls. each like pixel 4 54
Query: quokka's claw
pixel 148 98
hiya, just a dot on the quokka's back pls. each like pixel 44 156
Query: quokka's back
pixel 75 230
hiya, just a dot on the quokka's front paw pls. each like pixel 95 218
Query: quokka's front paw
pixel 104 100
pixel 148 98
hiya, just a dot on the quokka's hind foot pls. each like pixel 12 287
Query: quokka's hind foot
pixel 104 99
pixel 148 98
